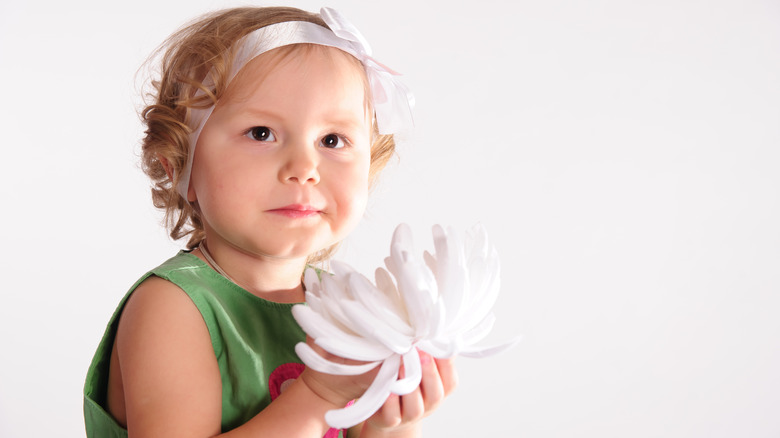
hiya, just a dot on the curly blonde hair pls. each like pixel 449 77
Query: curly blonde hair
pixel 184 59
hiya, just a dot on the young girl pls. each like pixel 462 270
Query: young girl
pixel 268 128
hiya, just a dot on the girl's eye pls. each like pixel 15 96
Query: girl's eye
pixel 332 141
pixel 261 133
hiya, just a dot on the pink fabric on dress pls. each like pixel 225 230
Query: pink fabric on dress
pixel 284 375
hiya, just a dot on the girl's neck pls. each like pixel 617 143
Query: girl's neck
pixel 273 279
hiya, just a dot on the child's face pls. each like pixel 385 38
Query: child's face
pixel 281 166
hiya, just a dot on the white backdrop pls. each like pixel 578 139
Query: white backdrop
pixel 623 156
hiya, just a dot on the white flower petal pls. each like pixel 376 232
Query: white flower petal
pixel 450 271
pixel 313 323
pixel 341 269
pixel 384 282
pixel 476 332
pixel 430 261
pixel 416 285
pixel 332 310
pixel 442 350
pixel 354 348
pixel 374 397
pixel 313 301
pixel 376 329
pixel 479 310
pixel 332 293
pixel 477 241
pixel 479 352
pixel 334 288
pixel 312 281
pixel 412 374
pixel 319 363
pixel 378 304
pixel 438 320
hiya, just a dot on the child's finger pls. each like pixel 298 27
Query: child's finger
pixel 389 415
pixel 431 387
pixel 412 406
pixel 448 373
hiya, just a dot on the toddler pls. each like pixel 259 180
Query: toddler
pixel 267 129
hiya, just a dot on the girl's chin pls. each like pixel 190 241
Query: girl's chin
pixel 299 254
pixel 295 246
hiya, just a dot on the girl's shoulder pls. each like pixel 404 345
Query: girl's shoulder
pixel 159 315
pixel 163 350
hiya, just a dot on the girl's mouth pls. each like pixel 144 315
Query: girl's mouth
pixel 296 211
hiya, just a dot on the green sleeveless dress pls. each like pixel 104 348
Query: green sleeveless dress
pixel 253 342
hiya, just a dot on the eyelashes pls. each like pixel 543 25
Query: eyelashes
pixel 333 141
pixel 261 133
pixel 329 141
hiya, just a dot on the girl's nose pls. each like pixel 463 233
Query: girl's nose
pixel 300 165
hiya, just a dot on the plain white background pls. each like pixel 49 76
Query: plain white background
pixel 623 156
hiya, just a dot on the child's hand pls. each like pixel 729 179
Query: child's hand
pixel 400 415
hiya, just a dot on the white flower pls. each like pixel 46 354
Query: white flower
pixel 440 304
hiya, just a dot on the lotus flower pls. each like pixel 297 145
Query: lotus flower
pixel 440 304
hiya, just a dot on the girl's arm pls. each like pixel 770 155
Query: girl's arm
pixel 400 416
pixel 171 380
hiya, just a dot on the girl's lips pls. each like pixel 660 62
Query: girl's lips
pixel 296 211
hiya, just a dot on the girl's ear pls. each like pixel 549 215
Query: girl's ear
pixel 166 165
pixel 191 197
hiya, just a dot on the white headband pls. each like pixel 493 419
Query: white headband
pixel 391 100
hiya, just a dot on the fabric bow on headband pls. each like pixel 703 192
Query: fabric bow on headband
pixel 392 101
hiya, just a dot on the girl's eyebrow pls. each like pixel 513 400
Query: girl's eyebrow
pixel 348 122
pixel 262 113
pixel 260 110
pixel 334 117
